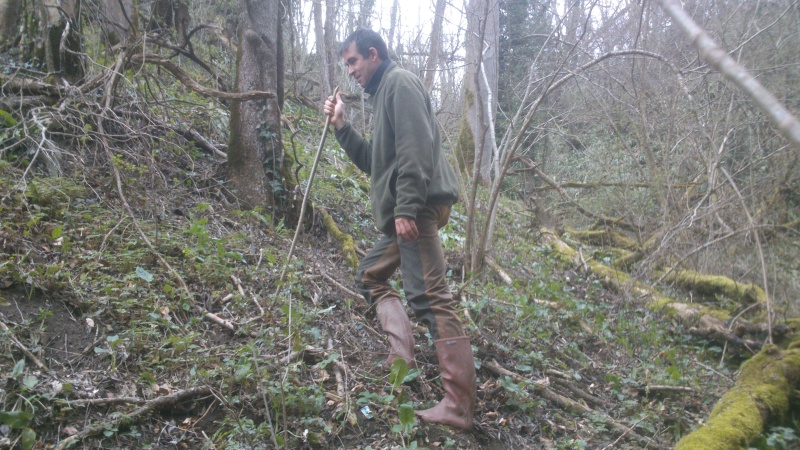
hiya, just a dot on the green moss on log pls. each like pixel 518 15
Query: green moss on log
pixel 762 394
pixel 603 238
pixel 346 243
pixel 717 285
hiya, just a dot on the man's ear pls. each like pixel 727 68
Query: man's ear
pixel 373 54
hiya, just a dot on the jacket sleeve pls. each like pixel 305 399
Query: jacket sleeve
pixel 356 147
pixel 410 110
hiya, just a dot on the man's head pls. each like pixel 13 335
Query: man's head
pixel 362 52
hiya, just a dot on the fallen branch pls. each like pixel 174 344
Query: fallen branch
pixel 190 83
pixel 24 349
pixel 342 287
pixel 568 403
pixel 500 272
pixel 125 420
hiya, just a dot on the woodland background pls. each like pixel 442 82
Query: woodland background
pixel 624 253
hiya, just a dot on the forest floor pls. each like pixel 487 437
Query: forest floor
pixel 128 359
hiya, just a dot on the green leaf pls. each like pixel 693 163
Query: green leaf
pixel 30 381
pixel 398 372
pixel 57 232
pixel 19 367
pixel 143 274
pixel 15 419
pixel 406 414
pixel 28 439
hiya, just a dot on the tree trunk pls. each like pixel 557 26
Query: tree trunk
pixel 762 394
pixel 116 20
pixel 436 45
pixel 255 153
pixel 481 81
pixel 330 41
pixel 322 53
pixel 60 41
pixel 10 16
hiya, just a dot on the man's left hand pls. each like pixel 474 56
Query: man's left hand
pixel 406 228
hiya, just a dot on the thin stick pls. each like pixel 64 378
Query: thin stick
pixel 308 190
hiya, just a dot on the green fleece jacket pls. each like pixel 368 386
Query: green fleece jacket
pixel 404 156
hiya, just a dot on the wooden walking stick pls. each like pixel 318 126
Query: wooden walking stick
pixel 308 190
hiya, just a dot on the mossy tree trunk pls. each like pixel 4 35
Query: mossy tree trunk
pixel 763 394
pixel 255 153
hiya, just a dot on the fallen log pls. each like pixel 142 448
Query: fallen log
pixel 763 394
pixel 702 320
pixel 604 238
pixel 712 285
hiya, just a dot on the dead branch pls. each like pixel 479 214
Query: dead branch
pixel 500 272
pixel 717 57
pixel 137 415
pixel 190 83
pixel 103 401
pixel 189 134
pixel 24 349
pixel 600 219
pixel 566 402
pixel 342 287
pixel 659 389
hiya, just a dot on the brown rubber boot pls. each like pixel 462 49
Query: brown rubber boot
pixel 397 326
pixel 457 366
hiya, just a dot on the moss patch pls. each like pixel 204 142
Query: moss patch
pixel 346 242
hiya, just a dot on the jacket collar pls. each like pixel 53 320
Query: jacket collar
pixel 372 86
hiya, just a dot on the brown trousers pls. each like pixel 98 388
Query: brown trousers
pixel 423 268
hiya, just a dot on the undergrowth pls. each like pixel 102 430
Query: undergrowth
pixel 88 295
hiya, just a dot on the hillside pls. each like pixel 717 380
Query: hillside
pixel 122 356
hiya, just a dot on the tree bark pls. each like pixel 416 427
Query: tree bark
pixel 481 81
pixel 60 41
pixel 10 15
pixel 436 45
pixel 255 152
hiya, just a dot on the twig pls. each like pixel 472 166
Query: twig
pixel 103 401
pixel 340 371
pixel 549 394
pixel 264 398
pixel 139 414
pixel 342 287
pixel 24 349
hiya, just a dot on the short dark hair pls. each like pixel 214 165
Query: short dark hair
pixel 364 39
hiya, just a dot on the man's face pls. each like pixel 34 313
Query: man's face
pixel 358 67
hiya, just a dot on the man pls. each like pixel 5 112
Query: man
pixel 413 188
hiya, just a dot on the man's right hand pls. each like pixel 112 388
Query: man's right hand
pixel 334 107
